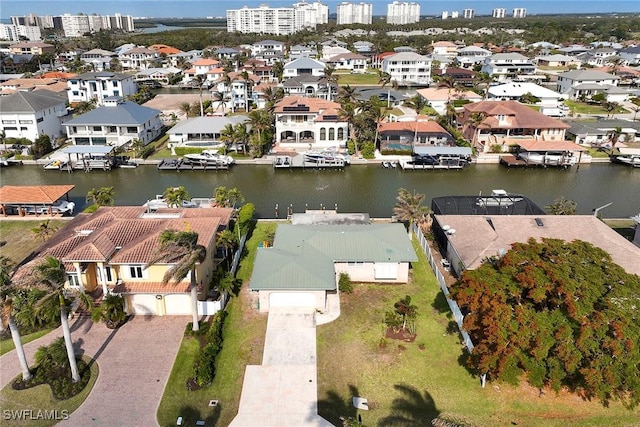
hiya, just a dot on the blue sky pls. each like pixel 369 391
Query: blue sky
pixel 199 8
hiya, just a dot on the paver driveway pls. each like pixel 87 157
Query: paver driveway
pixel 134 361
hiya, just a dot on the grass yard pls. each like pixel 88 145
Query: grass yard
pixel 366 79
pixel 584 108
pixel 16 239
pixel 244 333
pixel 402 381
pixel 40 398
pixel 6 345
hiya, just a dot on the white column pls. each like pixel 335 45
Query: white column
pixel 79 274
pixel 103 280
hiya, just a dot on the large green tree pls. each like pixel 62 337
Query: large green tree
pixel 103 196
pixel 174 196
pixel 182 250
pixel 559 314
pixel 409 208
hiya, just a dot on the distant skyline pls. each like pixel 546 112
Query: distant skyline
pixel 200 9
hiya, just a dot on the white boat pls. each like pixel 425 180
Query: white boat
pixel 629 160
pixel 56 165
pixel 325 156
pixel 209 157
pixel 532 157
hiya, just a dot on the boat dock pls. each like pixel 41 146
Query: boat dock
pixel 182 165
pixel 513 161
pixel 407 165
pixel 302 161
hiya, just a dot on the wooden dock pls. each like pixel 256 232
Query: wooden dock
pixel 512 161
pixel 299 161
pixel 410 166
pixel 180 165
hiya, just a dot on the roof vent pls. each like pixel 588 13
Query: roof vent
pixel 539 222
pixel 451 231
pixel 84 232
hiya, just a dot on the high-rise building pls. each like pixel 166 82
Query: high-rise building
pixel 445 14
pixel 352 13
pixel 15 32
pixel 454 14
pixel 468 13
pixel 77 25
pixel 519 12
pixel 499 12
pixel 400 13
pixel 278 21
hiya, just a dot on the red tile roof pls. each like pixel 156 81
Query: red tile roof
pixel 519 115
pixel 152 288
pixel 425 127
pixel 24 194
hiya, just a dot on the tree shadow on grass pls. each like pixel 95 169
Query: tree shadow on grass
pixel 441 306
pixel 411 409
pixel 191 415
pixel 334 405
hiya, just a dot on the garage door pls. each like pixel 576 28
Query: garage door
pixel 292 299
pixel 177 304
pixel 143 304
pixel 386 270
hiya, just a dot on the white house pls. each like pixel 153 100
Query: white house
pixel 598 57
pixel 632 56
pixel 331 51
pixel 306 85
pixel 408 68
pixel 305 123
pixel 99 59
pixel 267 45
pixel 101 85
pixel 503 66
pixel 160 75
pixel 302 66
pixel 513 91
pixel 116 123
pixel 557 60
pixel 445 48
pixel 577 83
pixel 299 51
pixel 138 58
pixel 471 55
pixel 31 114
pixel 353 62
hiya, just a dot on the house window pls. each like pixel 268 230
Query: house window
pixel 40 119
pixel 107 273
pixel 8 122
pixel 113 129
pixel 323 134
pixel 11 128
pixel 97 128
pixel 116 93
pixel 131 129
pixel 26 122
pixel 340 133
pixel 136 272
pixel 82 141
pixel 332 134
pixel 355 263
pixel 72 280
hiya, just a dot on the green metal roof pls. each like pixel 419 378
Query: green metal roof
pixel 303 256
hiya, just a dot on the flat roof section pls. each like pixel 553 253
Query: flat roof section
pixel 88 149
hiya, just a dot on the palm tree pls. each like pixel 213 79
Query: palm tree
pixel 348 114
pixel 636 110
pixel 347 94
pixel 104 196
pixel 220 99
pixel 277 69
pixel 50 276
pixel 417 103
pixel 228 135
pixel 272 97
pixel 185 108
pixel 183 250
pixel 199 79
pixel 227 198
pixel 475 120
pixel 174 196
pixel 329 71
pixel 409 209
pixel 384 79
pixel 227 241
pixel 45 230
pixel 614 136
pixel 6 313
pixel 241 136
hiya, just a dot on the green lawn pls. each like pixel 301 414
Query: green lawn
pixel 243 344
pixel 40 398
pixel 584 108
pixel 368 79
pixel 17 239
pixel 6 345
pixel 403 380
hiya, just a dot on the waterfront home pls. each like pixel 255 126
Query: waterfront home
pixel 107 252
pixel 304 123
pixel 202 132
pixel 599 133
pixel 408 68
pixel 490 125
pixel 239 90
pixel 304 263
pixel 303 66
pixel 459 76
pixel 115 123
pixel 138 58
pixel 99 86
pixel 503 66
pixel 407 134
pixel 307 85
pixel 477 237
pixel 585 83
pixel 550 101
pixel 438 98
pixel 31 114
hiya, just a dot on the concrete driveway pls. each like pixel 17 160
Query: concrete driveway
pixel 135 361
pixel 283 391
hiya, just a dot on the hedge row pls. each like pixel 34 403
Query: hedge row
pixel 205 365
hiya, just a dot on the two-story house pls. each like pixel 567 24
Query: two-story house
pixel 471 55
pixel 138 58
pixel 303 66
pixel 488 124
pixel 504 66
pixel 444 48
pixel 238 90
pixel 585 83
pixel 408 68
pixel 31 114
pixel 100 85
pixel 31 48
pixel 310 86
pixel 309 123
pixel 115 123
pixel 409 133
pixel 353 62
pixel 631 55
pixel 98 59
pixel 300 51
pixel 598 57
pixel 109 252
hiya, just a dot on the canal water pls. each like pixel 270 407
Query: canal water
pixel 358 188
